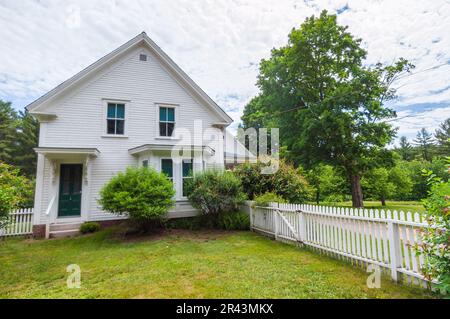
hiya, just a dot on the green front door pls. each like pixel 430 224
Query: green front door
pixel 69 203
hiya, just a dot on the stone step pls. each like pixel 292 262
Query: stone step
pixel 64 233
pixel 64 226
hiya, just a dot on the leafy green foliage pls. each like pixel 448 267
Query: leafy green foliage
pixel 89 227
pixel 435 244
pixel 234 221
pixel 328 105
pixel 141 193
pixel 265 199
pixel 16 191
pixel 420 185
pixel 329 183
pixel 384 183
pixel 215 192
pixel 286 182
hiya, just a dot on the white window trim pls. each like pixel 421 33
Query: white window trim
pixel 105 117
pixel 168 105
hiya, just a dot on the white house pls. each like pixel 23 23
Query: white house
pixel 132 107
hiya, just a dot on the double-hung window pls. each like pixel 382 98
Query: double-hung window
pixel 115 119
pixel 188 174
pixel 167 168
pixel 166 120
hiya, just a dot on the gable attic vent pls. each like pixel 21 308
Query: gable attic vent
pixel 143 57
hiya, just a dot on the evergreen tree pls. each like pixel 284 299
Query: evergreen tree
pixel 405 150
pixel 424 141
pixel 8 127
pixel 443 137
pixel 26 140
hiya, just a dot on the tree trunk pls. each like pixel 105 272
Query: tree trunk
pixel 357 196
pixel 383 201
pixel 318 197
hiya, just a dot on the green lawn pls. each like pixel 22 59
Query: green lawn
pixel 181 264
pixel 412 206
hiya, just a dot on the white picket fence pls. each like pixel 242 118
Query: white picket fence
pixel 20 223
pixel 361 236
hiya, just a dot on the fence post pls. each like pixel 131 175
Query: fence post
pixel 250 209
pixel 394 249
pixel 302 226
pixel 275 215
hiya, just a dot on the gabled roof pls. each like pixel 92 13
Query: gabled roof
pixel 142 38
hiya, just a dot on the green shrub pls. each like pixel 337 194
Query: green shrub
pixel 435 239
pixel 140 193
pixel 16 191
pixel 264 200
pixel 334 198
pixel 286 182
pixel 234 221
pixel 89 227
pixel 214 192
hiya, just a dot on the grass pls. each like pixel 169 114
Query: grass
pixel 412 206
pixel 181 264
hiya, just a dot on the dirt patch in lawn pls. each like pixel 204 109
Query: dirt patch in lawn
pixel 161 233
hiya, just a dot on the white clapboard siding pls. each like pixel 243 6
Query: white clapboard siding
pixel 20 223
pixel 361 236
pixel 80 123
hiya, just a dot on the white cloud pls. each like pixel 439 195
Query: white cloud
pixel 218 43
pixel 409 122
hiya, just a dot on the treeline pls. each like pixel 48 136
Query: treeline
pixel 18 136
pixel 426 145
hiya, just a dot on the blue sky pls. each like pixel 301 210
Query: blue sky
pixel 220 43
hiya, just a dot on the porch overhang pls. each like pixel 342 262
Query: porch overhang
pixel 160 147
pixel 44 117
pixel 59 154
pixel 63 152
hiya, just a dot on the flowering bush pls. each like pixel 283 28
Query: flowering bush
pixel 435 246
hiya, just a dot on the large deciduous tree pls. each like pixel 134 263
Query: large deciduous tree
pixel 328 105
